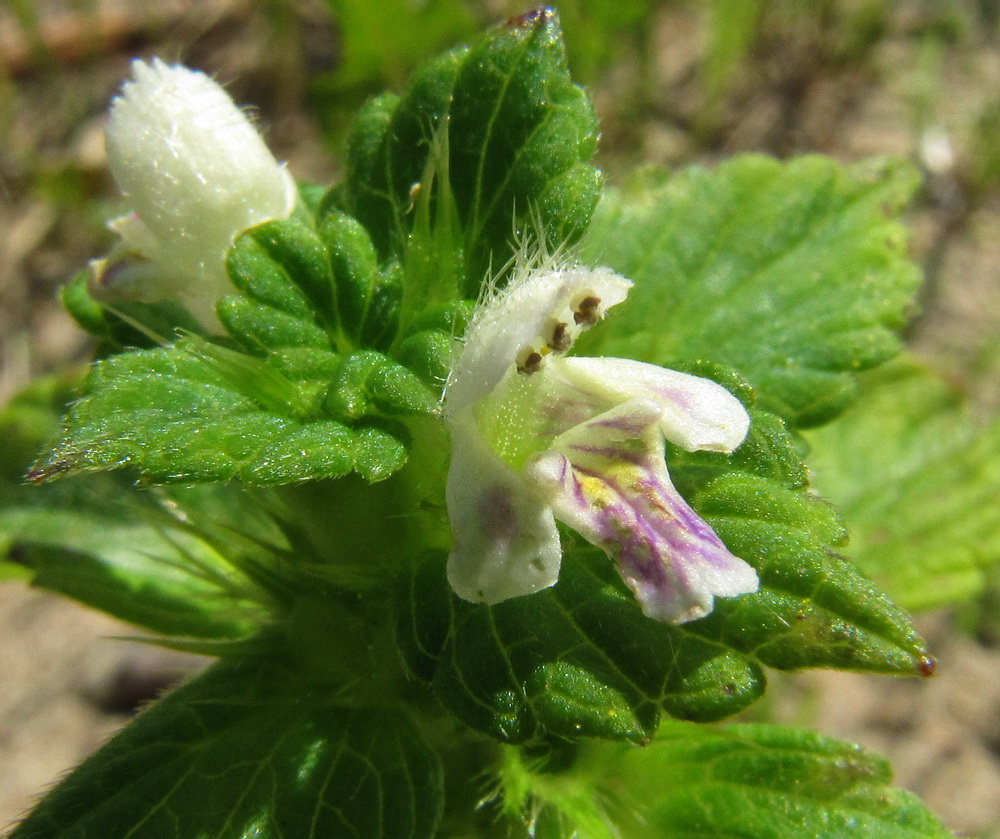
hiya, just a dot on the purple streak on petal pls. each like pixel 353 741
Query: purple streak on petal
pixel 617 493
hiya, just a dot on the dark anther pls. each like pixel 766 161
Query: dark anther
pixel 587 311
pixel 532 364
pixel 560 339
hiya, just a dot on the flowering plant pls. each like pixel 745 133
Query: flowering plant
pixel 355 416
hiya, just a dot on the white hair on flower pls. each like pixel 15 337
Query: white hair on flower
pixel 539 436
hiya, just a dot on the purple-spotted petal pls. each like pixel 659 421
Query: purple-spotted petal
pixel 607 479
pixel 505 539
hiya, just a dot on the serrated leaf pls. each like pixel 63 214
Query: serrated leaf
pixel 735 781
pixel 105 546
pixel 129 552
pixel 579 659
pixel 814 608
pixel 519 135
pixel 176 419
pixel 792 273
pixel 369 383
pixel 250 749
pixel 922 510
pixel 768 781
pixel 279 261
pixel 367 296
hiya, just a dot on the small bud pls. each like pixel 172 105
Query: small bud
pixel 196 174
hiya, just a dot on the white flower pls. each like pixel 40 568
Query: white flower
pixel 538 436
pixel 197 174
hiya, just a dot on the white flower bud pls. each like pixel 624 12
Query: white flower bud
pixel 197 174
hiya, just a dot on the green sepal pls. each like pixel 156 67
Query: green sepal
pixel 251 748
pixel 578 659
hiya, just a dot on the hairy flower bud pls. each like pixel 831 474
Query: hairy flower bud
pixel 197 174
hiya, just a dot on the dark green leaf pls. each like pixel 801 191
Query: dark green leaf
pixel 367 296
pixel 579 659
pixel 519 135
pixel 251 749
pixel 791 273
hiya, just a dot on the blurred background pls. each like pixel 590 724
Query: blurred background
pixel 675 83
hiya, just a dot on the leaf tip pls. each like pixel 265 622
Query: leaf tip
pixel 536 17
pixel 926 665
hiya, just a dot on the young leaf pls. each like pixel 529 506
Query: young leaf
pixel 698 781
pixel 791 273
pixel 923 513
pixel 250 749
pixel 520 134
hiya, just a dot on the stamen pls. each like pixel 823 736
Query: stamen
pixel 587 313
pixel 561 339
pixel 531 364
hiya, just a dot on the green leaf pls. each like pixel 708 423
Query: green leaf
pixel 170 583
pixel 368 383
pixel 367 297
pixel 133 553
pixel 792 273
pixel 814 608
pixel 579 659
pixel 769 781
pixel 923 513
pixel 251 749
pixel 177 419
pixel 699 781
pixel 297 402
pixel 519 135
